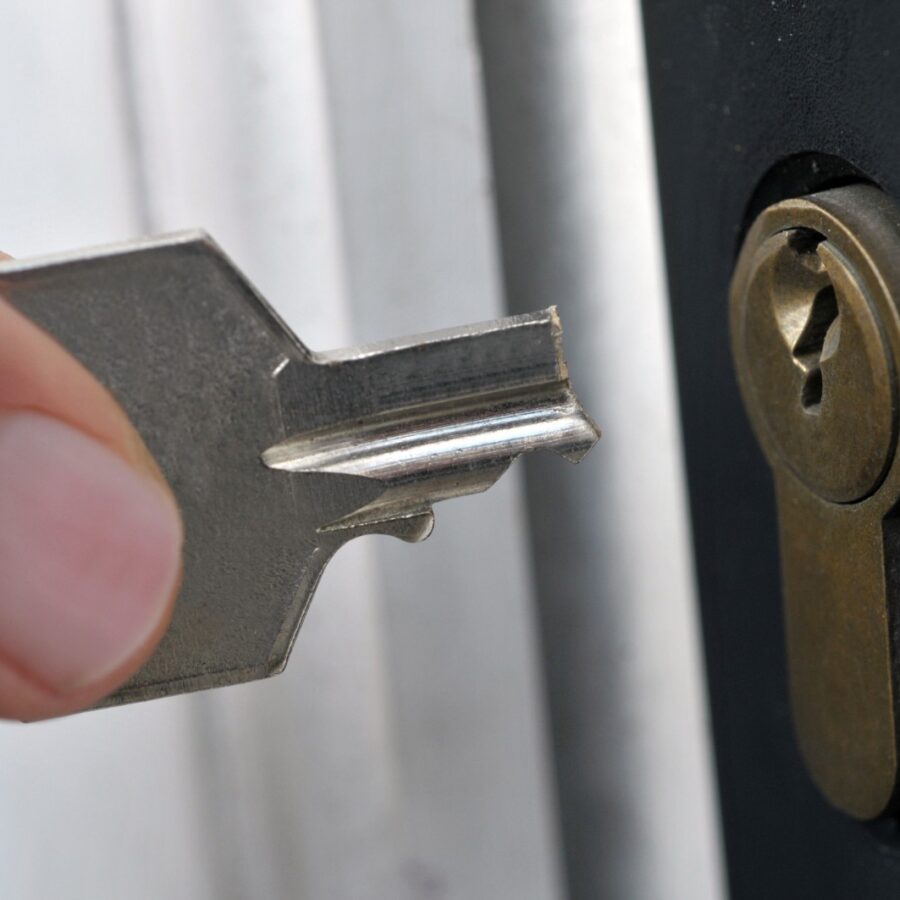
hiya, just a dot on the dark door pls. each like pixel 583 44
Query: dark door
pixel 754 102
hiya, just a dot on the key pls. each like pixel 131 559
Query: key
pixel 279 455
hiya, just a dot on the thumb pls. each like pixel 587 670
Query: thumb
pixel 90 536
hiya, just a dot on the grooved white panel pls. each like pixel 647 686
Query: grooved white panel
pixel 336 149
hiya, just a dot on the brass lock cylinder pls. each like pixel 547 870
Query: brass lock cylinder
pixel 816 340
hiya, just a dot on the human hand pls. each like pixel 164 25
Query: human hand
pixel 90 536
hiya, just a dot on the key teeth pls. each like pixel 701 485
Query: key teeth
pixel 434 458
pixel 444 438
pixel 411 527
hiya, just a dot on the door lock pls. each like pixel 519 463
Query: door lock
pixel 815 333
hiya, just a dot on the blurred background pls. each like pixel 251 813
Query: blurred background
pixel 514 709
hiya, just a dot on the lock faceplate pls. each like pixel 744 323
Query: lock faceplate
pixel 816 339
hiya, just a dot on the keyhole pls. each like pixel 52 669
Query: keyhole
pixel 806 308
pixel 816 342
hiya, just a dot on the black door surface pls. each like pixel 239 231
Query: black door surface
pixel 754 102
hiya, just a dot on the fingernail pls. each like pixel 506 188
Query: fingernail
pixel 89 553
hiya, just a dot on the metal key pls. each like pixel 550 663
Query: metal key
pixel 279 455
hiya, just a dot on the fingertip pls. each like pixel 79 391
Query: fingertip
pixel 90 533
pixel 90 561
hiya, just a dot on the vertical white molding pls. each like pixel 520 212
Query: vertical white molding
pixel 677 851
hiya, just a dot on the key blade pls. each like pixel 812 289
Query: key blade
pixel 438 415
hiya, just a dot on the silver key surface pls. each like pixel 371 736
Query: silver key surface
pixel 278 455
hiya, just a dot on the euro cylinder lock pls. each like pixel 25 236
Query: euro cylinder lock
pixel 815 334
